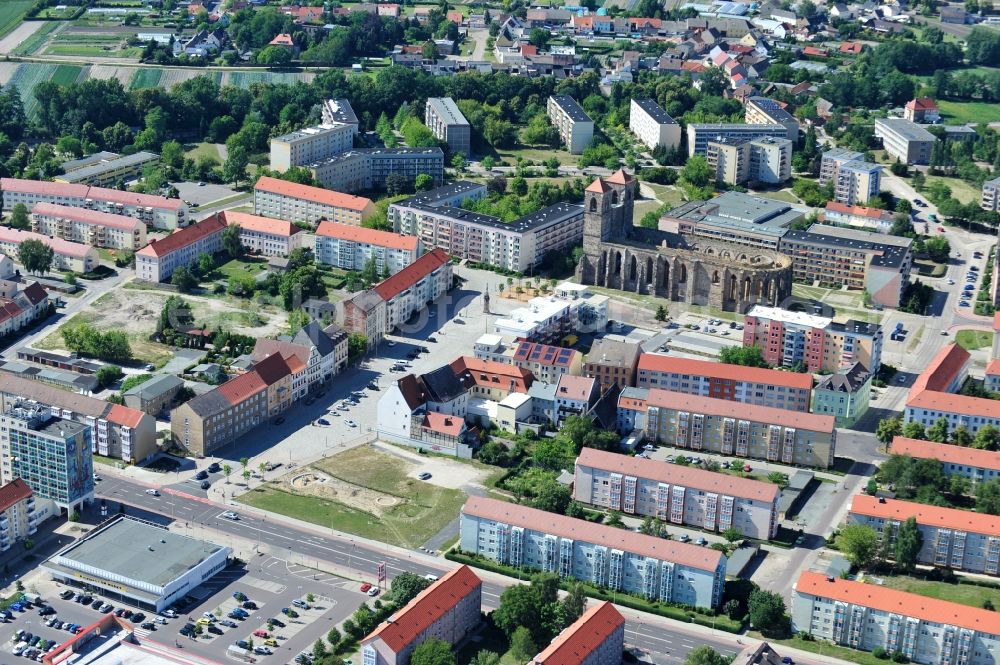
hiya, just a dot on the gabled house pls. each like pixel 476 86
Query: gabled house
pixel 205 43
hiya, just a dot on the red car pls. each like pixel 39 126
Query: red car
pixel 365 587
pixel 747 468
pixel 940 229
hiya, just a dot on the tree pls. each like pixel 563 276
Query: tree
pixel 423 182
pixel 914 430
pixel 938 431
pixel 183 279
pixel 226 471
pixel 958 485
pixel 909 540
pixel 275 56
pixel 888 429
pixel 858 543
pixel 433 652
pixel 206 263
pixel 333 638
pixel 705 655
pixel 235 168
pixel 319 650
pixel 961 437
pixel 357 346
pixel 732 534
pixel 937 248
pixel 396 184
pixel 748 356
pixel 988 497
pixel 518 607
pixel 488 164
pixel 35 256
pixel 406 586
pixel 108 374
pixel 19 218
pixel 497 185
pixel 661 313
pixel 429 51
pixel 574 604
pixel 231 241
pixel 697 171
pixel 485 658
pixel 987 438
pixel 766 611
pixel 521 644
pixel 539 37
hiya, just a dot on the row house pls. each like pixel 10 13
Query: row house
pixel 22 307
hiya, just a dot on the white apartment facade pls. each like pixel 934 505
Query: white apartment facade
pixel 280 199
pixel 979 466
pixel 576 129
pixel 157 261
pixel 990 199
pixel 423 281
pixel 72 256
pixel 905 140
pixel 699 134
pixel 309 145
pixel 265 236
pixel 652 125
pixel 855 181
pixel 351 247
pixel 90 227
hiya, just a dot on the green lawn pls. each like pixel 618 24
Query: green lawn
pixel 930 269
pixel 204 148
pixel 965 594
pixel 781 195
pixel 489 638
pixel 537 155
pixel 11 13
pixel 961 190
pixel 244 266
pixel 956 113
pixel 669 194
pixel 973 339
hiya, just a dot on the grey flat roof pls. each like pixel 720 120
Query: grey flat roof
pixel 432 196
pixel 772 109
pixel 858 234
pixel 543 217
pixel 843 155
pixel 885 254
pixel 306 132
pixel 140 551
pixel 102 156
pixel 908 130
pixel 341 111
pixel 736 127
pixel 655 111
pixel 446 109
pixel 155 386
pixel 62 428
pixel 102 167
pixel 571 108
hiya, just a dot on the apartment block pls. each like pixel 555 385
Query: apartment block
pixel 309 145
pixel 66 255
pixel 365 313
pixel 934 395
pixel 612 362
pixel 19 516
pixel 699 134
pixel 739 161
pixel 865 616
pixel 680 495
pixel 519 245
pixel 449 609
pixel 720 426
pixel 547 363
pixel 446 122
pixel 265 236
pixel 652 125
pixel 991 195
pixel 905 140
pixel 291 201
pixel 733 217
pixel 845 395
pixel 89 227
pixel 729 160
pixel 817 343
pixel 596 638
pixel 549 319
pixel 839 257
pixel 855 181
pixel 979 466
pixel 576 129
pixel 747 385
pixel 368 168
pixel 952 538
pixel 108 172
pixel 157 261
pixel 764 111
pixel 655 568
pixel 339 111
pixel 351 247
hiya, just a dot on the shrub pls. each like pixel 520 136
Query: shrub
pixel 880 653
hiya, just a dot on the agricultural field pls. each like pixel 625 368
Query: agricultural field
pixel 85 44
pixel 11 13
pixel 34 43
pixel 27 77
pixel 246 79
pixel 145 78
pixel 105 72
pixel 66 74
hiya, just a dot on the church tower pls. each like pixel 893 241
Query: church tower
pixel 607 211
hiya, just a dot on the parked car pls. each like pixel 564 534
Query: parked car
pixel 205 484
pixel 201 475
pixel 300 604
pixel 240 596
pixel 66 594
pixel 230 515
pixel 227 623
pixel 214 467
pixel 213 629
pixel 249 605
pixel 278 622
pixel 374 591
pixel 149 625
pixel 365 587
pixel 424 476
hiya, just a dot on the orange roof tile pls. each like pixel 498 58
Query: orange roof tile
pixel 87 216
pixel 44 188
pixel 716 406
pixel 58 245
pixel 491 374
pixel 315 194
pixel 411 274
pixel 946 452
pixel 367 236
pixel 125 416
pixel 674 365
pixel 993 367
pixel 242 387
pixel 943 369
pixel 573 645
pixel 996 321
pixel 579 388
pixel 183 237
pixel 14 491
pixel 936 516
pixel 134 198
pixel 444 424
pixel 857 211
pixel 277 227
pixel 428 607
pixel 702 558
pixel 933 400
pixel 598 187
pixel 898 602
pixel 620 177
pixel 921 104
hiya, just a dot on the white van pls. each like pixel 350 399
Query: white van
pixel 160 620
pixel 19 648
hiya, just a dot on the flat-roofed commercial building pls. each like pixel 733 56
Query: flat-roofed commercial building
pixel 952 538
pixel 764 111
pixel 718 425
pixel 655 568
pixel 351 247
pixel 979 466
pixel 90 227
pixel 865 616
pixel 991 195
pixel 596 638
pixel 138 562
pixel 699 134
pixel 681 495
pixel 576 129
pixel 66 255
pixel 281 199
pixel 449 609
pixel 854 180
pixel 905 140
pixel 447 123
pixel 157 261
pixel 264 235
pixel 652 125
pixel 818 343
pixel 748 385
pixel 110 172
pixel 309 145
pixel 734 217
pixel 367 168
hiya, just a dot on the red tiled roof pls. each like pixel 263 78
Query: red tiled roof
pixel 242 387
pixel 933 400
pixel 851 47
pixel 410 388
pixel 993 367
pixel 898 602
pixel 579 388
pixel 125 416
pixel 134 198
pixel 455 17
pixel 942 371
pixel 935 516
pixel 44 188
pixel 58 245
pixel 277 227
pixel 8 309
pixel 444 424
pixel 360 234
pixel 491 374
pixel 35 293
pixel 411 274
pixel 315 194
pixel 620 177
pixel 702 558
pixel 272 369
pixel 14 491
pixel 690 477
pixel 573 645
pixel 183 237
pixel 284 39
pixel 529 49
pixel 598 187
pixel 812 50
pixel 87 216
pixel 428 607
pixel 946 452
pixel 857 211
pixel 673 365
pixel 921 104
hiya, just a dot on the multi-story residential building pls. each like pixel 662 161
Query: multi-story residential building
pixel 367 168
pixel 952 538
pixel 817 343
pixel 764 111
pixel 651 125
pixel 991 195
pixel 699 134
pixel 446 122
pixel 922 110
pixel 575 396
pixel 738 161
pixel 90 227
pixel 281 199
pixel 844 395
pixel 596 638
pixel 934 395
pixel 665 570
pixel 302 364
pixel 449 609
pixel 853 216
pixel 904 140
pixel 51 454
pixel 612 362
pixel 310 145
pixel 519 245
pixel 866 616
pixel 329 344
pixel 861 261
pixel 546 363
pixel 729 160
pixel 70 256
pixel 576 129
pixel 854 180
pixel 21 307
pixel 748 385
pixel 264 235
pixel 365 314
pixel 720 426
pixel 339 111
pixel 19 513
pixel 157 261
pixel 351 247
pixel 219 417
pixel 681 495
pixel 118 431
pixel 110 172
pixel 979 466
